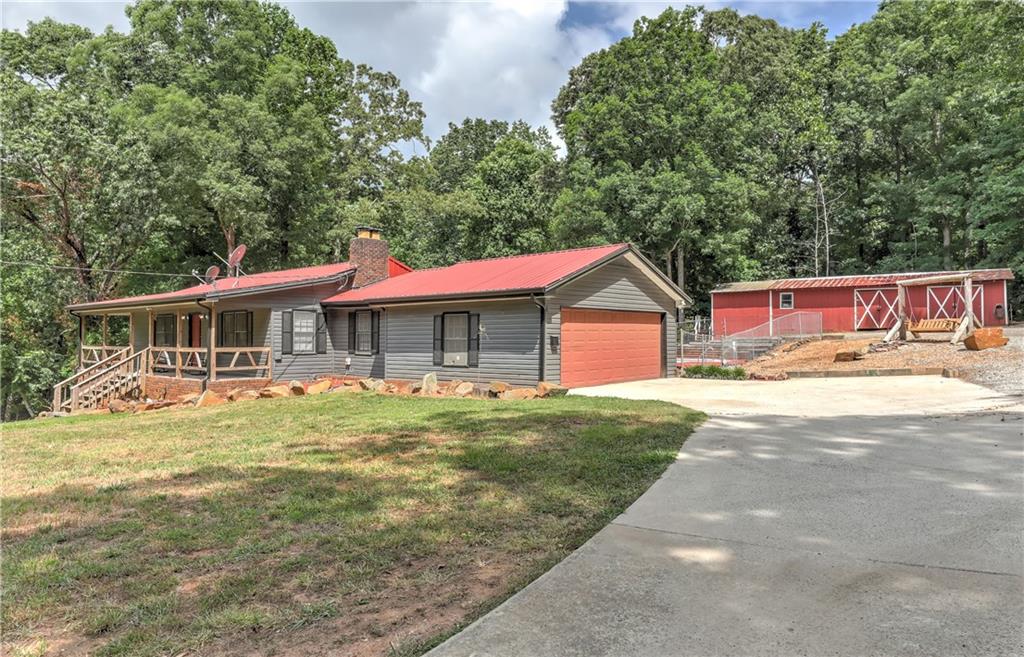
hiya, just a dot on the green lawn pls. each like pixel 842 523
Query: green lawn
pixel 345 523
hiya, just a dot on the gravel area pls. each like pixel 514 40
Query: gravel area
pixel 1000 369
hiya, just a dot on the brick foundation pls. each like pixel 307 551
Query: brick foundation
pixel 171 388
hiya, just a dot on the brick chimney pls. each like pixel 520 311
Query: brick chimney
pixel 369 253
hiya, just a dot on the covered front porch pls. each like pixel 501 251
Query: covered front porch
pixel 146 349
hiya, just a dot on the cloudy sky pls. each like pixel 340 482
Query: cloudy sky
pixel 496 60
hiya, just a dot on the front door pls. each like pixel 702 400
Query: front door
pixel 875 308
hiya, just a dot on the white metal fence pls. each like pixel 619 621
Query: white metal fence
pixel 797 324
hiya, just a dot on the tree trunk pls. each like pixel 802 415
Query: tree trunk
pixel 947 246
pixel 681 268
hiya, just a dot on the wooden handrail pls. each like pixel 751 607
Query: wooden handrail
pixel 58 389
pixel 137 355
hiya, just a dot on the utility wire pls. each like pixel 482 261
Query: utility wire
pixel 43 265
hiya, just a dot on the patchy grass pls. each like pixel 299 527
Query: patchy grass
pixel 714 372
pixel 345 523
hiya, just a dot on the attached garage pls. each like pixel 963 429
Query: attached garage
pixel 609 346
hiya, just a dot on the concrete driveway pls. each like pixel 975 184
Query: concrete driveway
pixel 817 529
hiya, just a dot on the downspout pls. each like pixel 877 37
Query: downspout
pixel 210 355
pixel 541 346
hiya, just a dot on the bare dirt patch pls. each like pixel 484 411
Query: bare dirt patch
pixel 1001 369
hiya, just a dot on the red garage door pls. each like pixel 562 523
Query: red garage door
pixel 605 346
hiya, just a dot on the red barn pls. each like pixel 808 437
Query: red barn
pixel 854 303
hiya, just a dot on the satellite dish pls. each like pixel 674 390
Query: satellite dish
pixel 212 272
pixel 236 256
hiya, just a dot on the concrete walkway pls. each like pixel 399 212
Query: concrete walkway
pixel 819 529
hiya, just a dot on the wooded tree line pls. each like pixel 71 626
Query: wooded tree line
pixel 725 147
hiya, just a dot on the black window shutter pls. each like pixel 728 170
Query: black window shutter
pixel 321 333
pixel 375 332
pixel 352 333
pixel 473 358
pixel 286 332
pixel 248 328
pixel 221 332
pixel 438 339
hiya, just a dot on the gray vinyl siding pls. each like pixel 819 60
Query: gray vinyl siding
pixel 617 285
pixel 140 330
pixel 360 365
pixel 290 366
pixel 510 332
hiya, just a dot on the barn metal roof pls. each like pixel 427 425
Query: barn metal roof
pixel 858 280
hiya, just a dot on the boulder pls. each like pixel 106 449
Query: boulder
pixel 415 387
pixel 323 385
pixel 296 388
pixel 519 393
pixel 247 395
pixel 464 389
pixel 545 389
pixel 189 398
pixel 371 384
pixel 846 357
pixel 272 392
pixel 119 406
pixel 496 388
pixel 429 384
pixel 233 394
pixel 209 398
pixel 986 338
pixel 452 385
pixel 388 389
pixel 344 388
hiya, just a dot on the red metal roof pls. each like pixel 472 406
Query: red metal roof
pixel 230 285
pixel 859 280
pixel 512 274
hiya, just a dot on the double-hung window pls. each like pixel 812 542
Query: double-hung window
pixel 364 332
pixel 236 328
pixel 786 300
pixel 457 339
pixel 303 331
pixel 163 331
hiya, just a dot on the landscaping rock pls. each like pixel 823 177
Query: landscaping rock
pixel 371 384
pixel 452 385
pixel 388 389
pixel 986 338
pixel 545 389
pixel 323 385
pixel 415 387
pixel 247 395
pixel 496 388
pixel 464 389
pixel 519 393
pixel 119 406
pixel 845 357
pixel 189 398
pixel 209 398
pixel 272 392
pixel 429 384
pixel 296 388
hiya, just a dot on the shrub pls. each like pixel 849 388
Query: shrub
pixel 714 372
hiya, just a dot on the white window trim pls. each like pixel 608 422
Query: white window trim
pixel 367 333
pixel 296 332
pixel 782 301
pixel 453 357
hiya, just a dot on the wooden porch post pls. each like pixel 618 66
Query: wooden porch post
pixel 149 333
pixel 131 332
pixel 81 341
pixel 177 344
pixel 212 365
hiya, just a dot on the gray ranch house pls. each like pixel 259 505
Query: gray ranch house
pixel 576 317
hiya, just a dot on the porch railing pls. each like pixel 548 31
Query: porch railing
pixel 112 377
pixel 62 391
pixel 97 353
pixel 195 360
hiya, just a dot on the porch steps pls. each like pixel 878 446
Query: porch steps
pixel 116 377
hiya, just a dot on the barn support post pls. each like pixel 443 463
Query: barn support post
pixel 901 300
